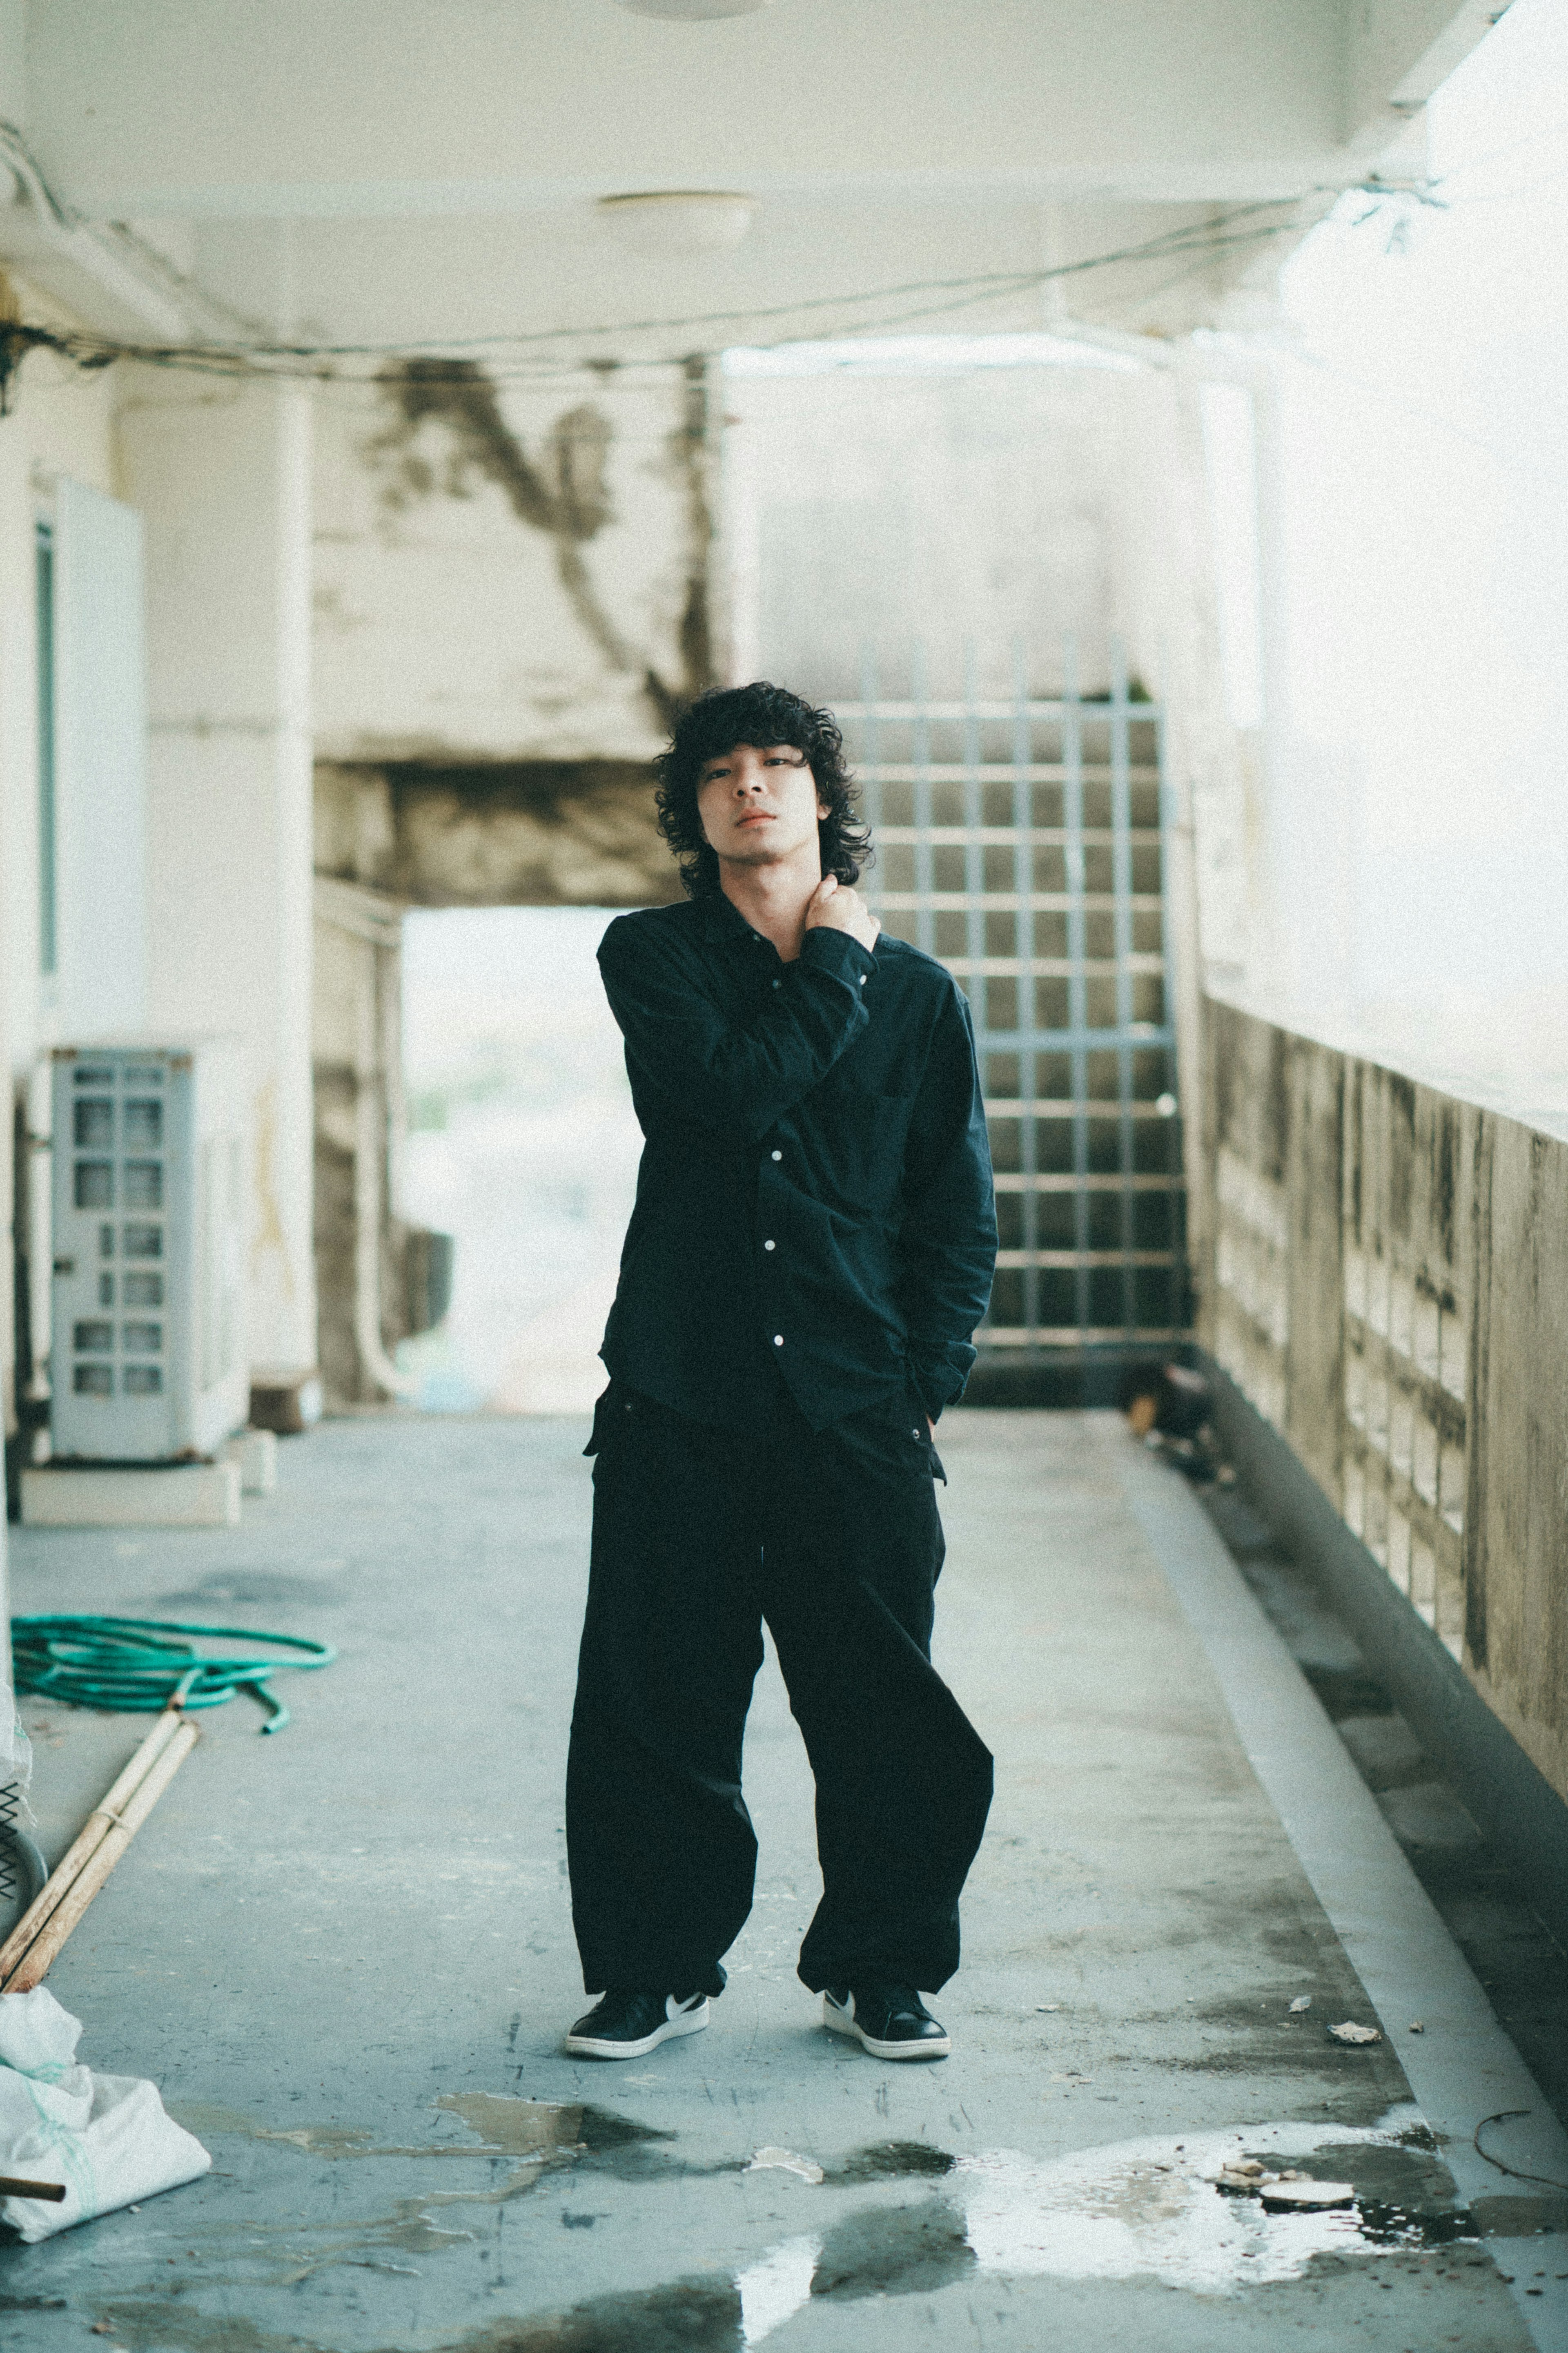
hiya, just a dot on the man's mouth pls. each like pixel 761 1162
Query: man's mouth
pixel 757 817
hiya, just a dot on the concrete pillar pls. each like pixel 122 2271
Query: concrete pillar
pixel 222 476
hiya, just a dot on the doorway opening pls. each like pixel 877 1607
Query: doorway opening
pixel 523 1144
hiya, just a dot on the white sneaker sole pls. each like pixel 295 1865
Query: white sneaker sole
pixel 592 2046
pixel 836 2022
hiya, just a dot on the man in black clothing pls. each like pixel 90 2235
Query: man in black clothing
pixel 812 1246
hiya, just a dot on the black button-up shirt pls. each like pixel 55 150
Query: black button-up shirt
pixel 815 1198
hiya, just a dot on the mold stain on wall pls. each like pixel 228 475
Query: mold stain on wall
pixel 564 492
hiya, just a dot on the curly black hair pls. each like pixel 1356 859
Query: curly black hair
pixel 763 715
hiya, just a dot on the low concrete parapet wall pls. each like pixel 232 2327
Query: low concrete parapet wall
pixel 1385 1281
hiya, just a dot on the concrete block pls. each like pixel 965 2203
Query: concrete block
pixel 1428 1816
pixel 256 1451
pixel 172 1495
pixel 285 1401
pixel 1386 1750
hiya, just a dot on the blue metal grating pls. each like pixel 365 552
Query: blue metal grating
pixel 1022 841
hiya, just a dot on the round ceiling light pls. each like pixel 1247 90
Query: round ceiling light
pixel 680 220
pixel 688 10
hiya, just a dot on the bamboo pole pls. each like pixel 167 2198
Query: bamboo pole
pixel 91 1835
pixel 48 1920
pixel 11 2188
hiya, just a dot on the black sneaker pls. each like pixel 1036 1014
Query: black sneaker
pixel 624 2025
pixel 891 2021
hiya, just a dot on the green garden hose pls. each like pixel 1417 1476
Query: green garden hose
pixel 141 1665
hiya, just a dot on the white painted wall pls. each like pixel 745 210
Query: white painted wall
pixel 222 474
pixel 101 764
pixel 61 425
pixel 61 430
pixel 1410 825
pixel 929 494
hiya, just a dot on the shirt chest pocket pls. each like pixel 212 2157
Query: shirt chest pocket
pixel 861 1138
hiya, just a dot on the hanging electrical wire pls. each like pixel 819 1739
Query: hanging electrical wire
pixel 1225 233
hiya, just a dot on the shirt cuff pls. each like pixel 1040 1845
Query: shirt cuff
pixel 941 1380
pixel 838 953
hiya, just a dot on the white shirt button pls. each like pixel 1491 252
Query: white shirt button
pixel 778 1156
pixel 862 981
pixel 778 1339
pixel 770 1245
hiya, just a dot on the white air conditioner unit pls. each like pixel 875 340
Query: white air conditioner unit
pixel 148 1359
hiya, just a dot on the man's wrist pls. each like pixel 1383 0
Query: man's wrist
pixel 937 1383
pixel 838 951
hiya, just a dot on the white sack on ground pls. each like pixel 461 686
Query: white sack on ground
pixel 107 2138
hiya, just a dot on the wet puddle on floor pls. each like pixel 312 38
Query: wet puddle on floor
pixel 1148 2209
pixel 541 2132
pixel 1163 2209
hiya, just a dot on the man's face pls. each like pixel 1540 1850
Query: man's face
pixel 758 804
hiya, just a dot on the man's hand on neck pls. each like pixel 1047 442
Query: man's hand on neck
pixel 771 900
pixel 834 906
pixel 774 898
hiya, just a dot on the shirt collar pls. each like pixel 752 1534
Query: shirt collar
pixel 722 920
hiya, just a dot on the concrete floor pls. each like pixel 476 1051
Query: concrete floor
pixel 345 1954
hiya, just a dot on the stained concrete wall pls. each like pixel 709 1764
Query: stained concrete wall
pixel 357 1069
pixel 521 833
pixel 510 571
pixel 1386 1283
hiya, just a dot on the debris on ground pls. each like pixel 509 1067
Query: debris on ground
pixel 1168 1407
pixel 1299 2194
pixel 1302 2001
pixel 1242 2175
pixel 1288 2192
pixel 107 2139
pixel 1416 2027
pixel 784 2160
pixel 1349 2032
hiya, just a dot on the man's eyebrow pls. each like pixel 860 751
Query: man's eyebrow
pixel 769 751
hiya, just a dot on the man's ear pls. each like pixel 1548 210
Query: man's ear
pixel 822 813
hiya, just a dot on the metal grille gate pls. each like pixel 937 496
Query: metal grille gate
pixel 1021 841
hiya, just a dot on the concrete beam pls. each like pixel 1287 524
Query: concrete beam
pixel 364 109
pixel 532 833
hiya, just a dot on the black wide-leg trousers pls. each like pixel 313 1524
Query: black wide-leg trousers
pixel 833 1538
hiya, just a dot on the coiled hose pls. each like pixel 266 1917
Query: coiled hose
pixel 140 1664
pixel 135 1665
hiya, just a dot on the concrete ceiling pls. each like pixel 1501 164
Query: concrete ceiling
pixel 418 171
